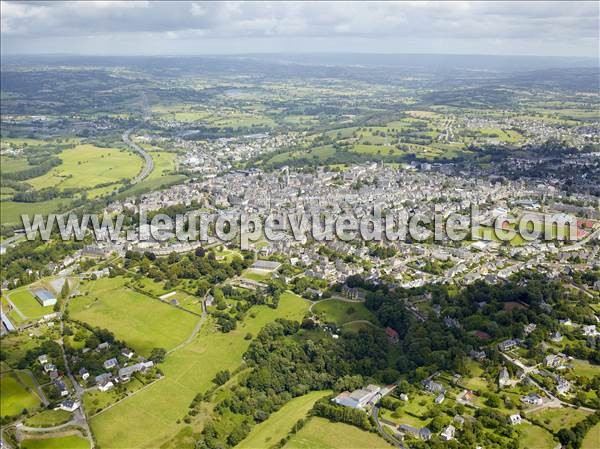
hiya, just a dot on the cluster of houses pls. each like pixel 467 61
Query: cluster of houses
pixel 55 376
pixel 114 372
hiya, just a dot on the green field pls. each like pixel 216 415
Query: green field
pixel 48 418
pixel 319 433
pixel 279 424
pixel 592 439
pixel 555 419
pixel 188 371
pixel 68 442
pixel 10 211
pixel 24 300
pixel 141 321
pixel 86 166
pixel 341 312
pixel 534 437
pixel 14 396
pixel 256 275
pixel 151 183
pixel 585 368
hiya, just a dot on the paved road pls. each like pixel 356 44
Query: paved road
pixel 148 162
pixel 79 417
pixel 553 399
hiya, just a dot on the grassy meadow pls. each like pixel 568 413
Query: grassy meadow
pixel 141 321
pixel 320 433
pixel 188 371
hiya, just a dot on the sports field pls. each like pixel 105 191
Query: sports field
pixel 320 433
pixel 279 424
pixel 188 371
pixel 24 300
pixel 14 397
pixel 142 322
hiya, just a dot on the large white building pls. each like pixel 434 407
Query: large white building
pixel 359 398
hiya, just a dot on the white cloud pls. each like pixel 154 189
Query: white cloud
pixel 473 27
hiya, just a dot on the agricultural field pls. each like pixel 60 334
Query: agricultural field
pixel 188 371
pixel 141 321
pixel 534 437
pixel 67 442
pixel 341 312
pixel 585 368
pixel 555 419
pixel 86 166
pixel 279 424
pixel 320 433
pixel 15 395
pixel 11 210
pixel 592 438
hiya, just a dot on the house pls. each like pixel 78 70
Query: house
pixel 350 292
pixel 128 353
pixel 403 397
pixel 84 373
pixel 68 405
pixel 102 346
pixel 556 337
pixel 515 419
pixel 126 372
pixel 45 297
pixel 110 363
pixel 529 328
pixel 423 433
pixel 43 359
pixel 61 387
pixel 448 433
pixel 105 385
pixel 102 378
pixel 590 331
pixel 503 377
pixel 563 386
pixel 433 387
pixel 359 398
pixel 392 335
pixel 553 361
pixel 477 355
pixel 466 396
pixel 533 399
pixel 459 419
pixel 440 398
pixel 49 367
pixel 565 322
pixel 507 345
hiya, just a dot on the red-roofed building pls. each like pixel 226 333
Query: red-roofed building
pixel 482 335
pixel 392 335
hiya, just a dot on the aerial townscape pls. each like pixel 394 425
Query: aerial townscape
pixel 116 333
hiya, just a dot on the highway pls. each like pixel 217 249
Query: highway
pixel 148 162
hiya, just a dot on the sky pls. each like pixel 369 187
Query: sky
pixel 185 28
